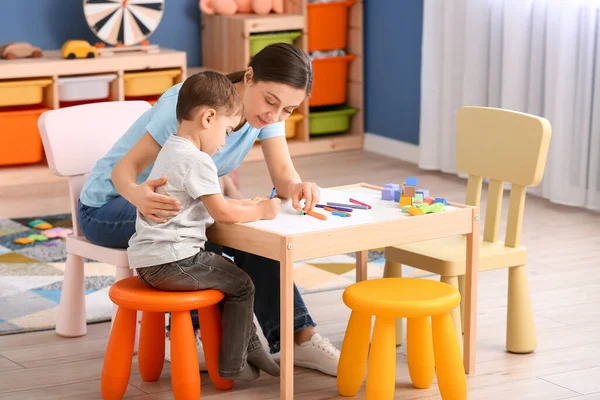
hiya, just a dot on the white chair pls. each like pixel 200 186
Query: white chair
pixel 74 139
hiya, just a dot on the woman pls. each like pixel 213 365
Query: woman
pixel 276 81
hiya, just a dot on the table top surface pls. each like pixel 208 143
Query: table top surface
pixel 291 222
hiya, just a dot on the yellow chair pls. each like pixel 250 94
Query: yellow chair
pixel 503 146
pixel 432 346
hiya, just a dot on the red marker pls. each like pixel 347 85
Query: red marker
pixel 360 203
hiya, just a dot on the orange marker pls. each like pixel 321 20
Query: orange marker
pixel 317 215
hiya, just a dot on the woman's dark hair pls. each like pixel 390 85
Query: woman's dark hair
pixel 281 63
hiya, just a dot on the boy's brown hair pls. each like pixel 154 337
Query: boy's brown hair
pixel 211 89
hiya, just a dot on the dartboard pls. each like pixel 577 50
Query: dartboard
pixel 126 22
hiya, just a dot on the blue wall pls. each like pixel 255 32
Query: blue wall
pixel 392 49
pixel 37 22
pixel 393 32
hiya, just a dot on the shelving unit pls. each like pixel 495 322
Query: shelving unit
pixel 226 48
pixel 153 71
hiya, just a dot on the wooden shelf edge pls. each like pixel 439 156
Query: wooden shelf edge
pixel 316 145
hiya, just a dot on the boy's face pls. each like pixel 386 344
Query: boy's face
pixel 218 126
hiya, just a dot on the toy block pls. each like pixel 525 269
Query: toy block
pixel 387 194
pixel 405 208
pixel 411 181
pixel 415 211
pixel 422 206
pixel 441 200
pixel 393 186
pixel 424 192
pixel 43 226
pixel 397 194
pixel 417 198
pixel 409 191
pixel 428 200
pixel 37 222
pixel 38 238
pixel 436 207
pixel 405 201
pixel 24 240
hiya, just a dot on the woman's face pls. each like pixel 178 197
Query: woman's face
pixel 269 102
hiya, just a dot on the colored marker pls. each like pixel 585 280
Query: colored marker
pixel 317 215
pixel 356 206
pixel 349 210
pixel 340 214
pixel 335 209
pixel 272 193
pixel 360 203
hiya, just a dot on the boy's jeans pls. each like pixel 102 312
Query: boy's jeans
pixel 113 224
pixel 207 270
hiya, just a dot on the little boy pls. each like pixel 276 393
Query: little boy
pixel 171 255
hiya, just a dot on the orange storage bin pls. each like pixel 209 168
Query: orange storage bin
pixel 330 77
pixel 20 141
pixel 328 25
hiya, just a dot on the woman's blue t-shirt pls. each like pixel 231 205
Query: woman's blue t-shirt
pixel 161 122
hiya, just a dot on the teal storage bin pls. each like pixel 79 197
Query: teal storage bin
pixel 330 120
pixel 259 41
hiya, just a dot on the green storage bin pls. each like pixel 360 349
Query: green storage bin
pixel 260 41
pixel 331 121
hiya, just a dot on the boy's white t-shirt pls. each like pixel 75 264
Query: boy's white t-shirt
pixel 190 174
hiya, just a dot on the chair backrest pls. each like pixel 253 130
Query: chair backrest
pixel 76 137
pixel 502 146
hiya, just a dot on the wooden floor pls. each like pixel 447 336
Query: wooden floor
pixel 564 275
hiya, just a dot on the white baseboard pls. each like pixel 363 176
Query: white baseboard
pixel 392 148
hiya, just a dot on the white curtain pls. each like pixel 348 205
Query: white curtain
pixel 536 56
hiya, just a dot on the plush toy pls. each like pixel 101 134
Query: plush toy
pixel 231 7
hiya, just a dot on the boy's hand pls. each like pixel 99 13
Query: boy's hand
pixel 269 208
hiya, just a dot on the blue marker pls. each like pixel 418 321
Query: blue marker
pixel 272 193
pixel 339 214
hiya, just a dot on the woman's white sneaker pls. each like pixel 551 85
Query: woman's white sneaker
pixel 317 353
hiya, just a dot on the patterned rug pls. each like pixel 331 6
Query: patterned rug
pixel 31 276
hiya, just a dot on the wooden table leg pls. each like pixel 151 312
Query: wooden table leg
pixel 472 269
pixel 286 289
pixel 362 257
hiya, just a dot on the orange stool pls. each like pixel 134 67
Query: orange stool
pixel 132 295
pixel 432 347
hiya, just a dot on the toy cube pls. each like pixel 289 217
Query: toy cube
pixel 415 211
pixel 405 201
pixel 436 207
pixel 405 208
pixel 428 200
pixel 393 186
pixel 387 194
pixel 411 181
pixel 418 198
pixel 397 194
pixel 440 200
pixel 409 191
pixel 424 192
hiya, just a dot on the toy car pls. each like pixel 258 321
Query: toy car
pixel 78 49
pixel 14 50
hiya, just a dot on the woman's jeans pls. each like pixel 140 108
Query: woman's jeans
pixel 113 224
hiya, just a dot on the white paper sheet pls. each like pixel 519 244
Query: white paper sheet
pixel 290 221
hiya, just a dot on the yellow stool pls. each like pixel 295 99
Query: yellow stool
pixel 416 300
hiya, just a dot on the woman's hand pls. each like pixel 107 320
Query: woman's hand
pixel 154 206
pixel 308 191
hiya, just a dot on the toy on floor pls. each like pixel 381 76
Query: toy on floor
pixel 48 232
pixel 411 200
pixel 39 224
